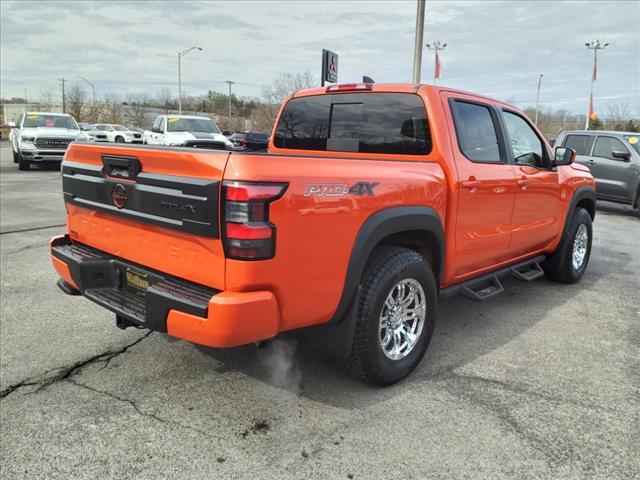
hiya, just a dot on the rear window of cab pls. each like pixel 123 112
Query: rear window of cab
pixel 386 123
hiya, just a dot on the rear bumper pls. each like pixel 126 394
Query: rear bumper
pixel 172 305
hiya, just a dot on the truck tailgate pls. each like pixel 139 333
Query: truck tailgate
pixel 156 207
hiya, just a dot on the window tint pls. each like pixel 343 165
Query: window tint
pixel 634 141
pixel 391 123
pixel 525 145
pixel 606 145
pixel 476 132
pixel 580 143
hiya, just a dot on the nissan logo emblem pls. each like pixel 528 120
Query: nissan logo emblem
pixel 119 196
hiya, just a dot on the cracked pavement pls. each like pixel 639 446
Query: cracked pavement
pixel 539 383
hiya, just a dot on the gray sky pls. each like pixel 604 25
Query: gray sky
pixel 494 48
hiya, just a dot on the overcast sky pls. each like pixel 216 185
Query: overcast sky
pixel 494 48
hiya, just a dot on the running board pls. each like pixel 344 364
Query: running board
pixel 488 285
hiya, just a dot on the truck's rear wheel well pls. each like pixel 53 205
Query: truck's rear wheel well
pixel 423 242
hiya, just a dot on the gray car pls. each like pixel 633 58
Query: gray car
pixel 614 161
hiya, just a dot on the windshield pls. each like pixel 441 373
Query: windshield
pixel 191 125
pixel 120 128
pixel 49 121
pixel 634 141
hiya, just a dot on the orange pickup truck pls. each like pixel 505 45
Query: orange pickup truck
pixel 373 201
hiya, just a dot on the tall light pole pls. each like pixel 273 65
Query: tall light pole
pixel 229 98
pixel 64 98
pixel 535 122
pixel 437 47
pixel 180 55
pixel 417 48
pixel 93 87
pixel 594 45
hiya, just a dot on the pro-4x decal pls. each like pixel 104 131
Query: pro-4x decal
pixel 358 189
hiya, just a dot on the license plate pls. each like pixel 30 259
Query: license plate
pixel 135 282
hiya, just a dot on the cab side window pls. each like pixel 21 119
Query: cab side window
pixel 476 132
pixel 526 146
pixel 156 124
pixel 162 124
pixel 605 146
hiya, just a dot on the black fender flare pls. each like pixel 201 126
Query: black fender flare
pixel 375 229
pixel 336 336
pixel 581 193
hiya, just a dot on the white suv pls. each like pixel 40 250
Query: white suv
pixel 186 130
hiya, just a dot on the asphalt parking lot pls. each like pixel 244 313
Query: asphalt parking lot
pixel 541 382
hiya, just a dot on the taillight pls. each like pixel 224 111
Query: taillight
pixel 349 87
pixel 247 232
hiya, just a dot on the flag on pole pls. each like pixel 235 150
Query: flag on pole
pixel 437 74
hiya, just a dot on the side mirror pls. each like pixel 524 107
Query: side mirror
pixel 564 156
pixel 11 124
pixel 626 156
pixel 156 130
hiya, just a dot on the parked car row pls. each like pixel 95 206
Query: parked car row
pixel 39 137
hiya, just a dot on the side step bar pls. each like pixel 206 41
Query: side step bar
pixel 488 286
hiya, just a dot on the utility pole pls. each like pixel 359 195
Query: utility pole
pixel 417 47
pixel 535 122
pixel 230 83
pixel 594 45
pixel 93 87
pixel 64 103
pixel 180 55
pixel 437 47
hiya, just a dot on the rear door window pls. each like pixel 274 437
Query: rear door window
pixel 605 146
pixel 580 143
pixel 477 132
pixel 386 123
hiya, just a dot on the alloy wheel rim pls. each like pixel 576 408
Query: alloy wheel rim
pixel 580 243
pixel 402 319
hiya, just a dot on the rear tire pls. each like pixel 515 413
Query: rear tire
pixel 569 262
pixel 119 140
pixel 386 322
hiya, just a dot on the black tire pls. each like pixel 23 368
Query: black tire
pixel 559 266
pixel 23 164
pixel 387 266
pixel 119 140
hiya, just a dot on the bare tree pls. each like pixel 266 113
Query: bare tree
pixel 112 108
pixel 273 95
pixel 76 99
pixel 138 106
pixel 618 115
pixel 165 99
pixel 47 98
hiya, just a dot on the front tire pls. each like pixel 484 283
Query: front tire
pixel 23 164
pixel 396 316
pixel 119 140
pixel 569 262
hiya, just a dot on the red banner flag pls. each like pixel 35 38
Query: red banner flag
pixel 437 74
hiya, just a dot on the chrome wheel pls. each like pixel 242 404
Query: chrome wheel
pixel 580 243
pixel 402 319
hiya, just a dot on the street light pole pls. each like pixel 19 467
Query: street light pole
pixel 93 87
pixel 229 98
pixel 594 45
pixel 437 46
pixel 417 48
pixel 535 122
pixel 180 55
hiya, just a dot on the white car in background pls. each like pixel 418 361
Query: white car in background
pixel 118 133
pixel 39 137
pixel 187 131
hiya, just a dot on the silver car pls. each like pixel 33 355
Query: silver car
pixel 614 161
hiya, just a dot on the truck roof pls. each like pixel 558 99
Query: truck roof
pixel 393 88
pixel 48 113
